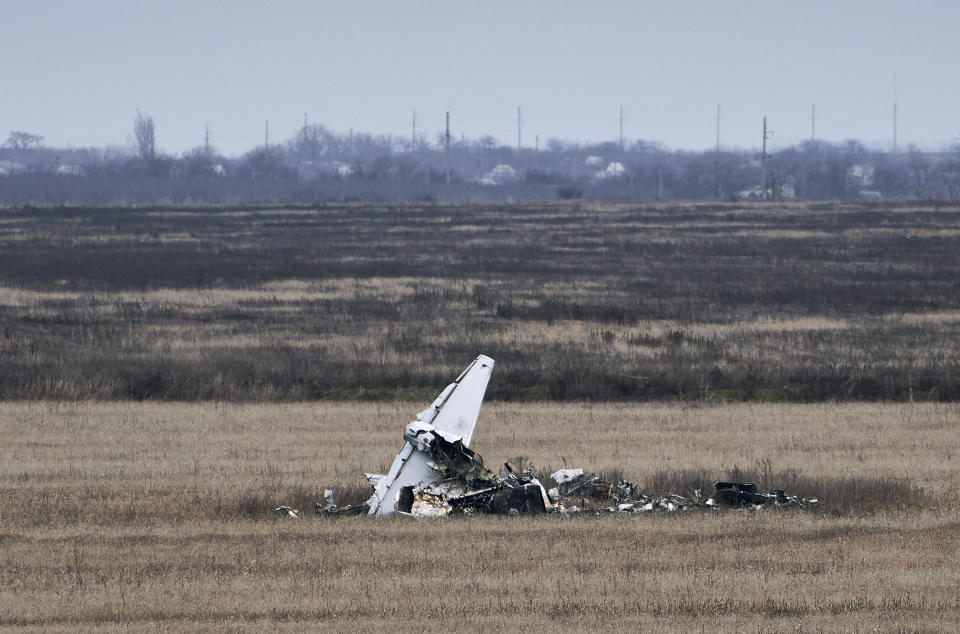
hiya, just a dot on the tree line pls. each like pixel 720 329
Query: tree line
pixel 316 163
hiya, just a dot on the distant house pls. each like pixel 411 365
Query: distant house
pixel 310 170
pixel 12 167
pixel 862 174
pixel 753 193
pixel 612 171
pixel 782 192
pixel 502 174
pixel 71 170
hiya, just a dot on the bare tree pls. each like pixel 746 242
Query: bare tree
pixel 23 141
pixel 143 131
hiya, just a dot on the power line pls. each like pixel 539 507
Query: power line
pixel 764 156
pixel 894 114
pixel 446 145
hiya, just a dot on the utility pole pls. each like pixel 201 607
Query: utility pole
pixel 536 143
pixel 813 122
pixel 413 136
pixel 303 144
pixel 519 129
pixel 764 156
pixel 894 114
pixel 718 129
pixel 620 142
pixel 716 158
pixel 206 139
pixel 266 135
pixel 446 146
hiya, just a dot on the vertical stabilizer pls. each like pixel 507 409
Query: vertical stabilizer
pixel 453 413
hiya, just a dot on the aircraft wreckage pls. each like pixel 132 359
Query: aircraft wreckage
pixel 437 474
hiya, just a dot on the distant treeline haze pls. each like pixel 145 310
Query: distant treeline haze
pixel 318 164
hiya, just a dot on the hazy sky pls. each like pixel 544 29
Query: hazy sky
pixel 76 71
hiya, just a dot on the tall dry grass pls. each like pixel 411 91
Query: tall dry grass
pixel 146 516
pixel 81 463
pixel 724 573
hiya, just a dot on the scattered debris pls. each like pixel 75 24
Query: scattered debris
pixel 341 511
pixel 436 474
pixel 294 513
pixel 329 500
pixel 472 489
pixel 744 494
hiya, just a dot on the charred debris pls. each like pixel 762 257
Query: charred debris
pixel 575 492
pixel 436 474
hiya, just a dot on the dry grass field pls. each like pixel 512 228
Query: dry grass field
pixel 170 376
pixel 158 516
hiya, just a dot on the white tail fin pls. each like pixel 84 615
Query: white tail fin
pixel 455 413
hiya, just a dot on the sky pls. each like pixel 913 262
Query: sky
pixel 77 71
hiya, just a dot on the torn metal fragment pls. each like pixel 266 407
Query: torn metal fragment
pixel 422 501
pixel 342 511
pixel 738 494
pixel 329 500
pixel 565 475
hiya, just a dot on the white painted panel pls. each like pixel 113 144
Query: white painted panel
pixel 455 411
pixel 458 413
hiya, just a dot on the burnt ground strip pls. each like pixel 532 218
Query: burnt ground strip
pixel 589 301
